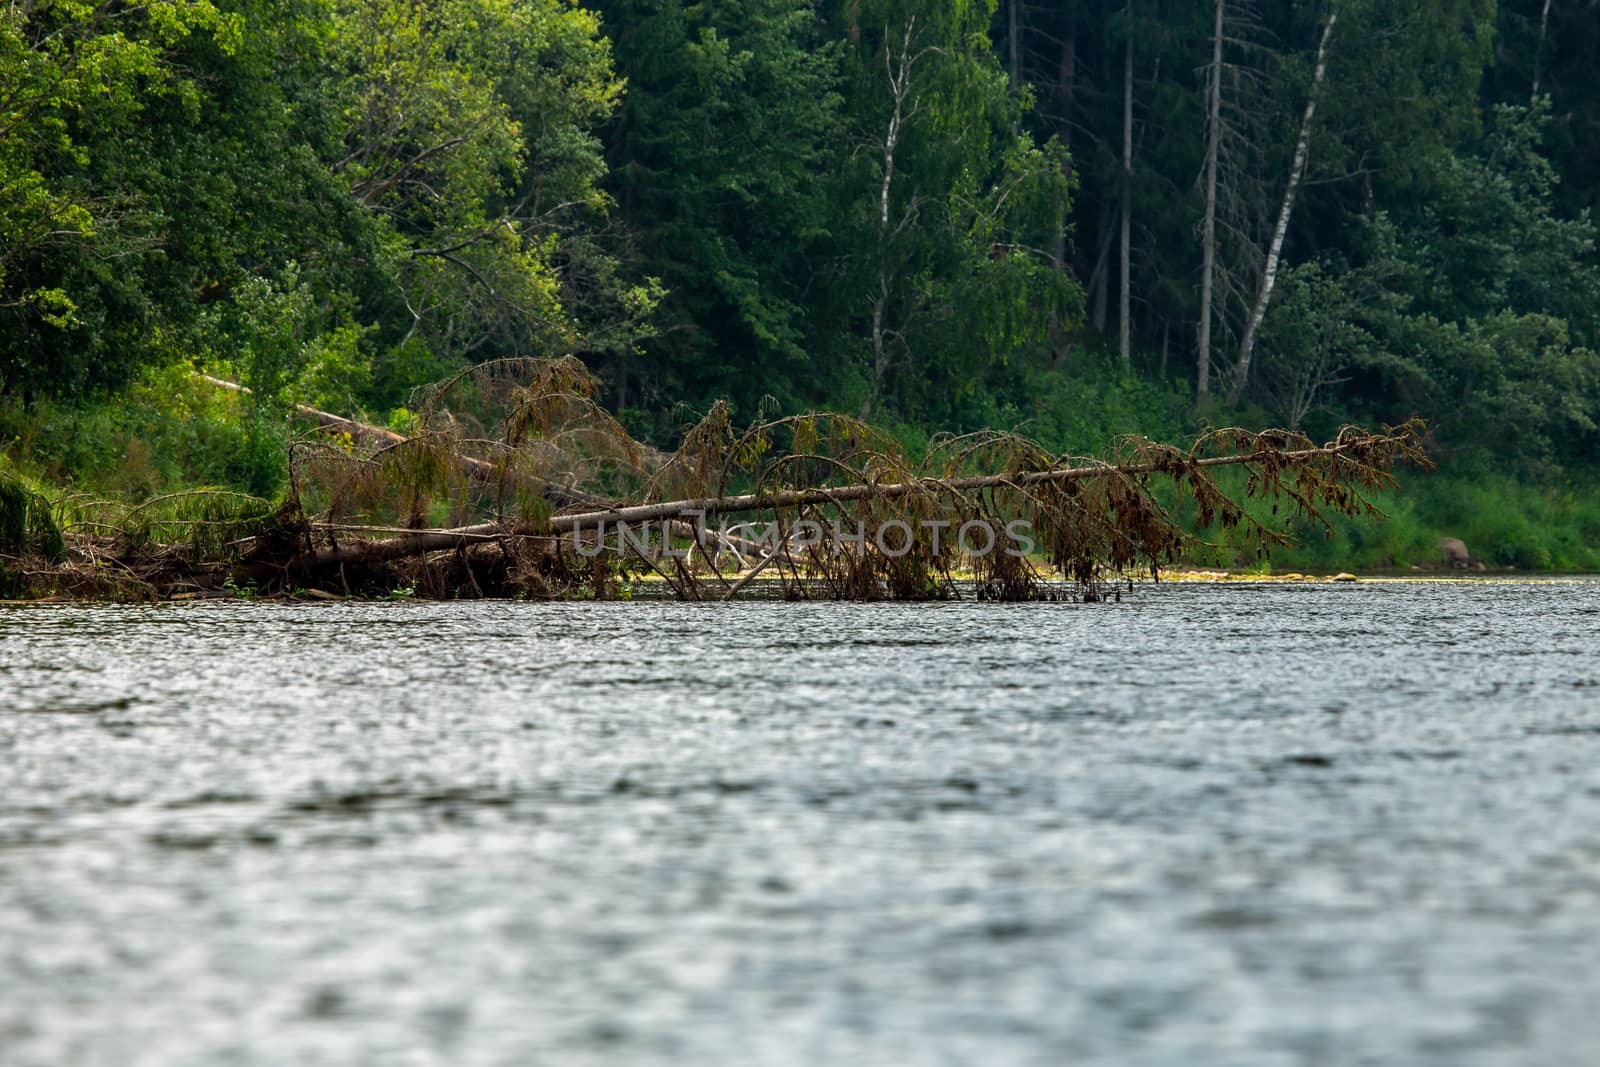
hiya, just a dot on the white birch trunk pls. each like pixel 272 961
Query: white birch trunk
pixel 1538 55
pixel 1269 274
pixel 899 88
pixel 1014 42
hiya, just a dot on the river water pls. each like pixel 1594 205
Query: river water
pixel 1242 825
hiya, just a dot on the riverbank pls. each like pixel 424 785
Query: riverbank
pixel 563 503
pixel 1545 523
pixel 652 589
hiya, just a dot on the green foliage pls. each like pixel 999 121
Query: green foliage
pixel 465 125
pixel 718 158
pixel 78 77
pixel 210 520
pixel 242 592
pixel 1505 522
pixel 164 433
pixel 1081 408
pixel 898 208
pixel 945 214
pixel 334 198
pixel 1477 309
pixel 28 522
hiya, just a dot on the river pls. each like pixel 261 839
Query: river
pixel 1218 824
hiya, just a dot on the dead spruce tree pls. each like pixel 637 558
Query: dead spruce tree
pixel 516 482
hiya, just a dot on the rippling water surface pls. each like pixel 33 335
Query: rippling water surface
pixel 1221 825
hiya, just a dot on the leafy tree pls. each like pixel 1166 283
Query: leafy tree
pixel 1478 311
pixel 465 126
pixel 412 169
pixel 75 81
pixel 948 214
pixel 718 162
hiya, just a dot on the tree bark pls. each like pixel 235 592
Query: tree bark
pixel 1351 450
pixel 1269 274
pixel 1208 234
pixel 1098 277
pixel 791 498
pixel 899 89
pixel 1538 55
pixel 1356 450
pixel 1067 86
pixel 1014 42
pixel 1066 78
pixel 1124 306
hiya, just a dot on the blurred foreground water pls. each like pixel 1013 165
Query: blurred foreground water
pixel 1219 824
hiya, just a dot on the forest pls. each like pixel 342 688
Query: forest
pixel 1073 220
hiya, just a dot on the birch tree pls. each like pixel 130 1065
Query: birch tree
pixel 952 212
pixel 1125 296
pixel 1538 53
pixel 905 107
pixel 1297 169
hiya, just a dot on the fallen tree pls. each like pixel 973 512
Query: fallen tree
pixel 568 504
pixel 382 437
pixel 485 472
pixel 1320 477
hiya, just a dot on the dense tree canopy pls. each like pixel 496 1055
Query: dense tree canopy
pixel 355 193
pixel 935 214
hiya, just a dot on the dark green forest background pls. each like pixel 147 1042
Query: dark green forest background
pixel 1072 218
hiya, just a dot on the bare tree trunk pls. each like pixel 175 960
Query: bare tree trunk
pixel 1098 277
pixel 1352 460
pixel 880 348
pixel 1057 335
pixel 1208 233
pixel 1067 84
pixel 1538 55
pixel 1124 307
pixel 899 90
pixel 1269 274
pixel 1014 42
pixel 1066 78
pixel 484 471
pixel 1353 451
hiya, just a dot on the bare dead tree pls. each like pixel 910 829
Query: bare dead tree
pixel 1538 55
pixel 1125 297
pixel 1208 226
pixel 905 106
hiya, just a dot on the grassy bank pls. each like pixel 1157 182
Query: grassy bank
pixel 165 433
pixel 1506 523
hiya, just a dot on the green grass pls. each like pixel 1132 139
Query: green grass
pixel 167 432
pixel 1504 521
pixel 28 520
